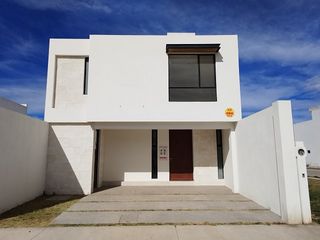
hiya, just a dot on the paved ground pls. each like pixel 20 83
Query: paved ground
pixel 221 232
pixel 313 172
pixel 165 205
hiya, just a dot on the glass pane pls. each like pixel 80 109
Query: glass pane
pixel 183 71
pixel 207 71
pixel 192 94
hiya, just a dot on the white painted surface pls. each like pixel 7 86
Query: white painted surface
pixel 70 159
pixel 127 155
pixel 129 76
pixel 13 106
pixel 228 159
pixel 23 147
pixel 69 84
pixel 267 167
pixel 309 133
pixel 205 162
pixel 287 166
pixel 303 182
pixel 257 160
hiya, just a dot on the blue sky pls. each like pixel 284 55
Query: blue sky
pixel 279 41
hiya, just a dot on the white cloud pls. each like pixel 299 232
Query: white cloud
pixel 313 84
pixel 66 5
pixel 282 49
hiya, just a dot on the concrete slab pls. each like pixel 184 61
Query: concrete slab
pixel 166 217
pixel 19 233
pixel 165 205
pixel 77 218
pixel 163 198
pixel 257 232
pixel 165 190
pixel 207 217
pixel 110 233
pixel 187 232
pixel 173 205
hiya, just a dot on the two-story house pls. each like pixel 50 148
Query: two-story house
pixel 140 110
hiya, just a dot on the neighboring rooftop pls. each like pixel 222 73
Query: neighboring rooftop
pixel 13 106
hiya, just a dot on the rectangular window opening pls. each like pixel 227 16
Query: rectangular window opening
pixel 154 157
pixel 86 72
pixel 192 78
pixel 96 159
pixel 220 154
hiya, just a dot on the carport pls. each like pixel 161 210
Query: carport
pixel 165 205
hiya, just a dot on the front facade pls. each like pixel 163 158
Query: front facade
pixel 141 110
pixel 166 110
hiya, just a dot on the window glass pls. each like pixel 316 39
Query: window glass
pixel 207 68
pixel 183 71
pixel 192 78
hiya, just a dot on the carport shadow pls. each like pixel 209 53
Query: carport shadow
pixel 60 177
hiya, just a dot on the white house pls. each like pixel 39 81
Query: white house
pixel 309 133
pixel 165 109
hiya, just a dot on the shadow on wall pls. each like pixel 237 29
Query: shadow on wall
pixel 127 155
pixel 61 178
pixel 204 148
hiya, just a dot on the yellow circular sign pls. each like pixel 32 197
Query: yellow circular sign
pixel 229 112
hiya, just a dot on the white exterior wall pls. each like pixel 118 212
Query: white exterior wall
pixel 127 155
pixel 23 148
pixel 258 174
pixel 71 52
pixel 229 159
pixel 128 76
pixel 267 165
pixel 69 84
pixel 205 161
pixel 309 133
pixel 70 159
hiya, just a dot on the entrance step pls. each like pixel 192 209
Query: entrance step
pixel 173 206
pixel 166 217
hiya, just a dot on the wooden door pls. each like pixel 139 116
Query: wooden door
pixel 181 160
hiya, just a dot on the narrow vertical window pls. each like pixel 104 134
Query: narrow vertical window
pixel 96 160
pixel 220 154
pixel 85 79
pixel 154 157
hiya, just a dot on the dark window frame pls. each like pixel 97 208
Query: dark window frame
pixel 220 154
pixel 154 154
pixel 85 77
pixel 214 97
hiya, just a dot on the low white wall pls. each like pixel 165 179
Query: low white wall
pixel 309 133
pixel 23 148
pixel 70 159
pixel 267 164
pixel 258 174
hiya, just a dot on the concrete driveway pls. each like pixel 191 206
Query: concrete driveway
pixel 132 205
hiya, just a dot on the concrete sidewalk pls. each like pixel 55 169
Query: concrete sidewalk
pixel 168 232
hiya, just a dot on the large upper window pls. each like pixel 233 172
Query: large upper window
pixel 192 74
